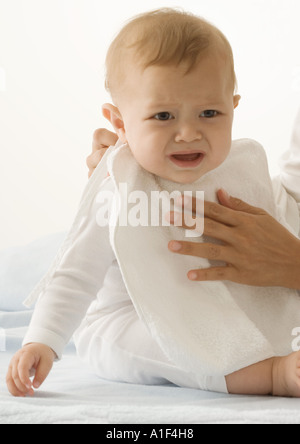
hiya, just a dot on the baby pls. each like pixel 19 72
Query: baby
pixel 172 80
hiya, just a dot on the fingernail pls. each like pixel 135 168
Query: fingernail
pixel 225 193
pixel 36 385
pixel 175 246
pixel 192 276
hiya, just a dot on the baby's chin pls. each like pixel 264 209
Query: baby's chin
pixel 189 176
pixel 185 179
pixel 192 177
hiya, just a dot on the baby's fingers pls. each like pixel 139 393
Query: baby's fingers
pixel 11 384
pixel 42 371
pixel 25 366
pixel 14 383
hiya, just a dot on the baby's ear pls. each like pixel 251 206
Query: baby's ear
pixel 112 113
pixel 236 101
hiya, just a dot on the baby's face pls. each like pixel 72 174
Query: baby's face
pixel 179 126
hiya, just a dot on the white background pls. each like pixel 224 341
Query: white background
pixel 51 90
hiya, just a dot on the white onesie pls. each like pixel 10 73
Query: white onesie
pixel 86 291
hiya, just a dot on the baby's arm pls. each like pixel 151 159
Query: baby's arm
pixel 64 303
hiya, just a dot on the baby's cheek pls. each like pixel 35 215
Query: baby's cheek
pixel 146 154
pixel 142 158
pixel 153 164
pixel 220 156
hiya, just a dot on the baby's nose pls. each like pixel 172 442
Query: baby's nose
pixel 188 133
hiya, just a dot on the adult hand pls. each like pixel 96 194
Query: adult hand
pixel 256 248
pixel 102 140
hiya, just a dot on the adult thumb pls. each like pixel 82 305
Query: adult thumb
pixel 237 204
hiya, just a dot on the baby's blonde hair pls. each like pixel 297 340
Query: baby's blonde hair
pixel 165 37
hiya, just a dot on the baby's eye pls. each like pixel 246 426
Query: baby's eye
pixel 163 116
pixel 210 113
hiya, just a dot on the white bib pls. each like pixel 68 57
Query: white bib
pixel 207 328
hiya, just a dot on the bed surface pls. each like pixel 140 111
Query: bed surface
pixel 72 394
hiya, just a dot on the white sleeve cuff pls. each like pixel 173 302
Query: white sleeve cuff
pixel 46 337
pixel 216 384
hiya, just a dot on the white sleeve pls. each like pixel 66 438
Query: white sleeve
pixel 290 165
pixel 74 285
pixel 287 207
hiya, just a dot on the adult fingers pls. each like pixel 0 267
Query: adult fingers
pixel 238 204
pixel 212 210
pixel 208 227
pixel 94 159
pixel 226 273
pixel 207 251
pixel 103 138
pixel 227 212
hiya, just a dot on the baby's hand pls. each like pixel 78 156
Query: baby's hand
pixel 33 359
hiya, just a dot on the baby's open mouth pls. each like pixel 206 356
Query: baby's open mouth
pixel 187 160
pixel 187 157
